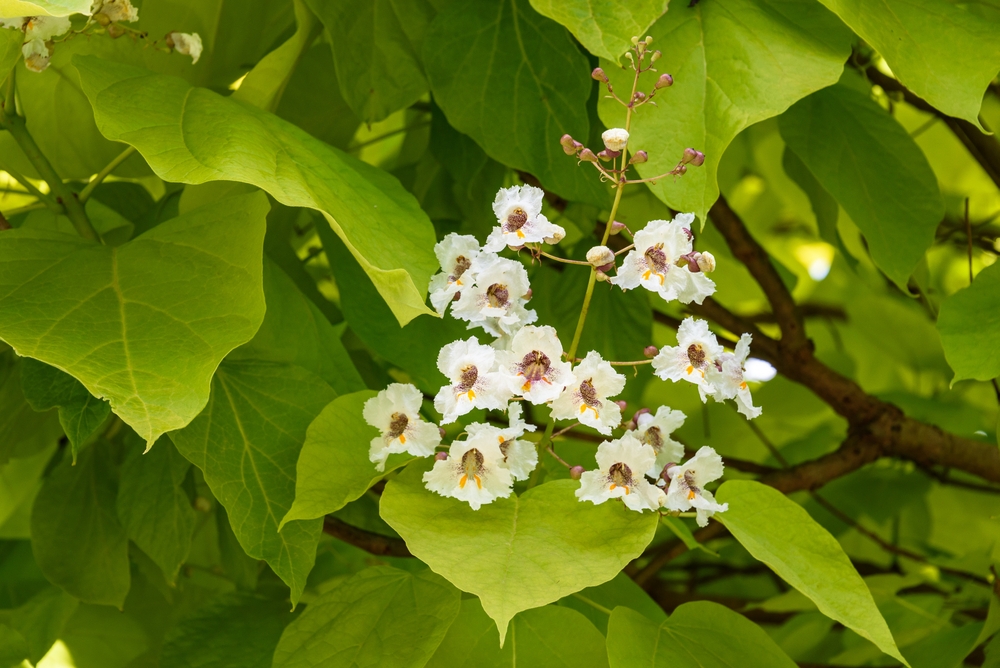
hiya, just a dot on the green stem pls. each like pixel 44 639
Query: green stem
pixel 103 174
pixel 74 208
pixel 33 191
pixel 9 99
pixel 593 604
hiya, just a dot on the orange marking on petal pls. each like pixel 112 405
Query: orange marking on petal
pixel 690 370
pixel 458 281
pixel 583 408
pixel 402 439
pixel 500 439
pixel 479 482
pixel 626 490
pixel 647 274
pixel 461 482
pixel 743 385
pixel 613 485
pixel 520 234
pixel 526 387
pixel 472 395
pixel 691 494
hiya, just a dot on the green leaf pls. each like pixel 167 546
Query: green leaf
pixel 312 100
pixel 780 533
pixel 23 432
pixel 548 636
pixel 795 48
pixel 155 511
pixel 376 50
pixel 871 165
pixel 677 527
pixel 944 51
pixel 604 27
pixel 515 82
pixel 697 635
pixel 333 467
pixel 162 116
pixel 20 480
pixel 969 324
pixel 106 302
pixel 516 553
pixel 110 225
pixel 41 620
pixel 74 514
pixel 824 206
pixel 380 617
pixel 80 413
pixel 10 50
pixel 231 630
pixel 596 603
pixel 44 7
pixel 97 636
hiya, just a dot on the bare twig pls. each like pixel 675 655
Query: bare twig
pixel 373 543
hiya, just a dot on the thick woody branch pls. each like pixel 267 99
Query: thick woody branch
pixel 373 543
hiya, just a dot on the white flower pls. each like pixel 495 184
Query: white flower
pixel 36 55
pixel 455 252
pixel 615 139
pixel 653 262
pixel 726 377
pixel 599 256
pixel 187 44
pixel 687 485
pixel 533 366
pixel 469 365
pixel 44 28
pixel 620 475
pixel 519 214
pixel 696 351
pixel 655 430
pixel 395 411
pixel 496 301
pixel 14 22
pixel 519 457
pixel 118 10
pixel 473 472
pixel 586 399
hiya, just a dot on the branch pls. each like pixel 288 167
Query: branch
pixel 373 543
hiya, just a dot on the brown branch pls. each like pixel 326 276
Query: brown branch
pixel 4 225
pixel 373 543
pixel 809 310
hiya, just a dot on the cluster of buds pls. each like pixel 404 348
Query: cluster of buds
pixel 637 56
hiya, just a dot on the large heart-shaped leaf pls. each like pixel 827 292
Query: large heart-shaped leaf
pixel 43 7
pixel 165 117
pixel 125 321
pixel 779 532
pixel 605 27
pixel 516 553
pixel 874 169
pixel 946 52
pixel 734 63
pixel 969 324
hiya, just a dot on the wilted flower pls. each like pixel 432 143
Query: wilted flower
pixel 188 44
pixel 615 139
pixel 117 10
pixel 395 411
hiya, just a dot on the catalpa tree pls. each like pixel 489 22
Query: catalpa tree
pixel 500 332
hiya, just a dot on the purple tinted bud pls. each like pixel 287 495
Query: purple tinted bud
pixel 568 145
pixel 691 260
pixel 607 267
pixel 442 432
pixel 638 413
pixel 663 474
pixel 680 170
pixel 599 75
pixel 606 155
pixel 650 352
pixel 441 456
pixel 622 404
pixel 576 472
pixel 640 157
pixel 527 295
pixel 617 227
pixel 696 158
pixel 665 81
pixel 639 96
pixel 577 146
pixel 688 233
pixel 587 155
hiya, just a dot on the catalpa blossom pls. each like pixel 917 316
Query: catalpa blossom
pixel 395 411
pixel 655 430
pixel 586 398
pixel 697 351
pixel 38 30
pixel 473 472
pixel 657 264
pixel 519 457
pixel 116 10
pixel 496 301
pixel 456 253
pixel 620 475
pixel 469 365
pixel 519 214
pixel 188 44
pixel 726 377
pixel 687 485
pixel 533 366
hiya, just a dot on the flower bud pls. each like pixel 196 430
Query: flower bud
pixel 599 75
pixel 598 256
pixel 696 158
pixel 102 19
pixel 527 295
pixel 639 157
pixel 650 352
pixel 648 40
pixel 665 473
pixel 665 81
pixel 639 413
pixel 576 472
pixel 441 456
pixel 616 226
pixel 442 432
pixel 689 260
pixel 568 145
pixel 601 276
pixel 615 139
pixel 639 96
pixel 706 262
pixel 607 155
pixel 606 267
pixel 622 404
pixel 656 56
pixel 680 170
pixel 588 155
pixel 115 31
pixel 635 40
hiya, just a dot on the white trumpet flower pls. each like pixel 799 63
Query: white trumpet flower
pixel 586 398
pixel 655 431
pixel 496 301
pixel 533 366
pixel 687 485
pixel 621 464
pixel 469 365
pixel 726 377
pixel 456 253
pixel 520 457
pixel 696 352
pixel 473 472
pixel 519 214
pixel 395 411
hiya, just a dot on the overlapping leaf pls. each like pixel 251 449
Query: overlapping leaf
pixel 166 119
pixel 969 324
pixel 605 27
pixel 734 63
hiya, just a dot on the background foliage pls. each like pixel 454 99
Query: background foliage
pixel 268 239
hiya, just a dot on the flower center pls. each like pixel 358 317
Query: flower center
pixel 589 397
pixel 653 437
pixel 620 475
pixel 656 258
pixel 472 467
pixel 697 355
pixel 497 295
pixel 516 220
pixel 467 380
pixel 535 365
pixel 689 482
pixel 462 265
pixel 397 426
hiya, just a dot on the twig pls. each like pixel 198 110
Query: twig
pixel 373 543
pixel 103 174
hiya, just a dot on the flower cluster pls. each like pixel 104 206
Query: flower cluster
pixel 41 32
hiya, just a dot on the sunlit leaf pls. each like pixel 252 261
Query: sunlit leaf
pixel 605 27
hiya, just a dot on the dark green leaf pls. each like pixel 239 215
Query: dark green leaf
pixel 969 324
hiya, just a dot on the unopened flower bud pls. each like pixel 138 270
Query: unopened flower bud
pixel 680 170
pixel 601 276
pixel 587 155
pixel 115 31
pixel 102 19
pixel 656 56
pixel 639 96
pixel 598 256
pixel 441 456
pixel 568 145
pixel 615 139
pixel 607 155
pixel 576 472
pixel 635 40
pixel 665 81
pixel 706 261
pixel 648 40
pixel 442 432
pixel 606 267
pixel 689 260
pixel 650 352
pixel 696 158
pixel 599 75
pixel 616 226
pixel 639 157
pixel 527 295
pixel 665 473
pixel 622 404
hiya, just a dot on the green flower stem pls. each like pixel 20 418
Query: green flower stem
pixel 73 207
pixel 103 174
pixel 33 191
